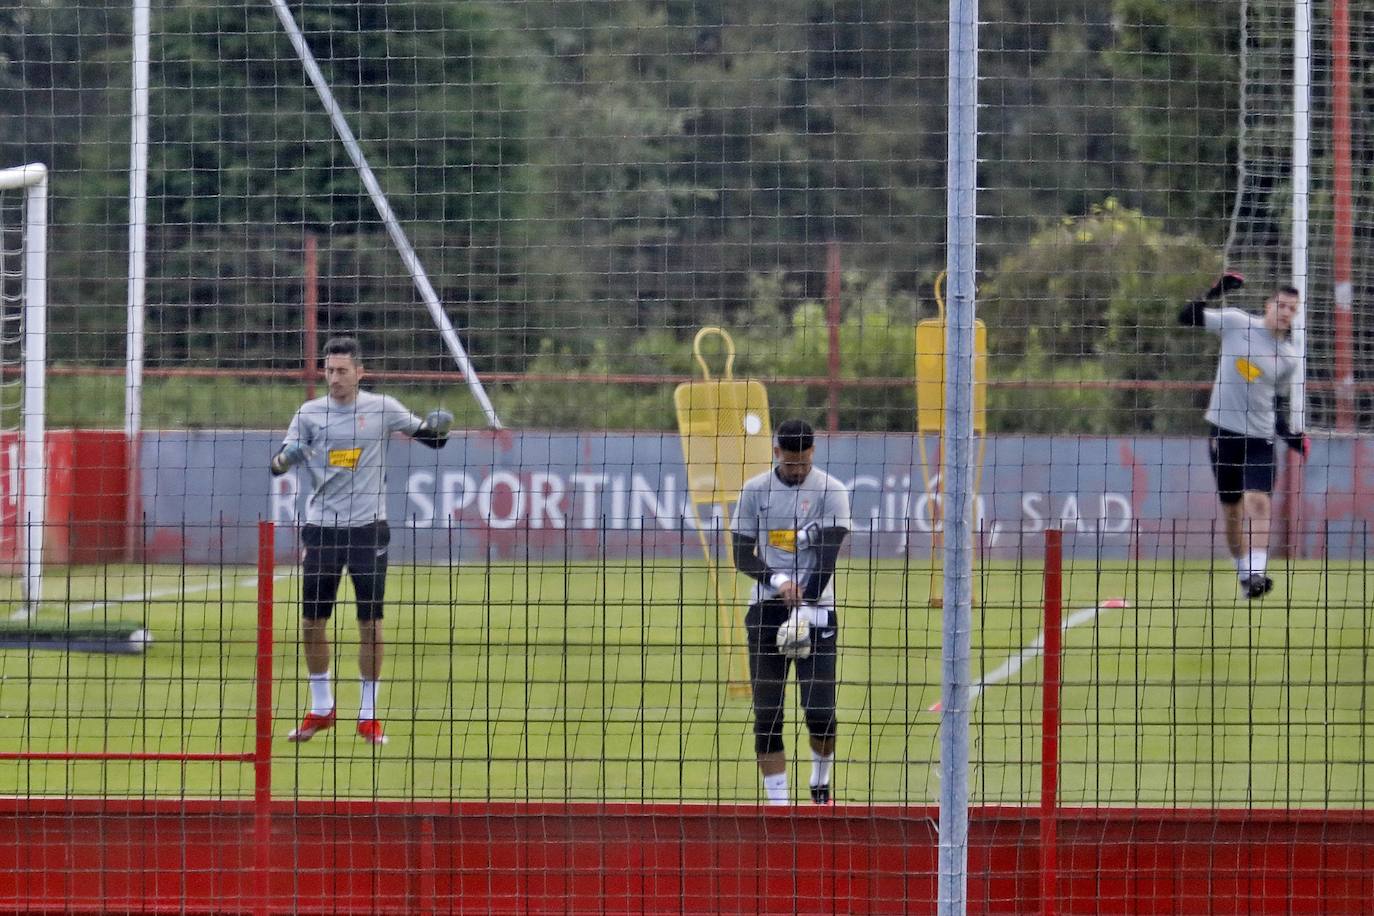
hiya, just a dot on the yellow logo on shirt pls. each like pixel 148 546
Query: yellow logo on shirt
pixel 1248 370
pixel 783 540
pixel 344 458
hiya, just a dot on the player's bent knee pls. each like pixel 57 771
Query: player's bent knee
pixel 822 725
pixel 768 731
pixel 769 744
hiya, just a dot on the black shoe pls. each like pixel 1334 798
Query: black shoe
pixel 820 794
pixel 1257 586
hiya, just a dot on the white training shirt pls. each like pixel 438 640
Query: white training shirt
pixel 1254 367
pixel 772 513
pixel 348 462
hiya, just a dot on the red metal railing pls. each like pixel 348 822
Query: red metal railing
pixel 1049 737
pixel 260 756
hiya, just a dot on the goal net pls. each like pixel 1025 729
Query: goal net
pixel 624 244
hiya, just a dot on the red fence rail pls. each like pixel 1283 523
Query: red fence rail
pixel 448 377
pixel 260 757
pixel 183 855
pixel 88 855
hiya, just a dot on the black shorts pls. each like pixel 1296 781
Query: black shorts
pixel 327 552
pixel 1240 464
pixel 768 669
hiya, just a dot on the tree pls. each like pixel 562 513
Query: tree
pixel 1176 67
pixel 1098 296
pixel 243 161
pixel 433 90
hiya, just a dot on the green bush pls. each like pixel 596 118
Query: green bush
pixel 1096 299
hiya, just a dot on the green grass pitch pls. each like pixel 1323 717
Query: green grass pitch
pixel 611 682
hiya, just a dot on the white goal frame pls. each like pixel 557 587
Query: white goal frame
pixel 33 180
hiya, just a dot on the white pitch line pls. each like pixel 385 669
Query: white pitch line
pixel 1034 649
pixel 208 588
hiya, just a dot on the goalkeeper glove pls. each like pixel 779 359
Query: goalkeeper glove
pixel 794 636
pixel 1300 444
pixel 1230 280
pixel 290 456
pixel 439 422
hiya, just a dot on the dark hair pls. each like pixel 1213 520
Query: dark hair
pixel 795 436
pixel 344 346
pixel 1288 291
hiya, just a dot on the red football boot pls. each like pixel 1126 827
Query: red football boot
pixel 370 730
pixel 310 725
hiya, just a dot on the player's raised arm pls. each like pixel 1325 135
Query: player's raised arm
pixel 1192 314
pixel 434 431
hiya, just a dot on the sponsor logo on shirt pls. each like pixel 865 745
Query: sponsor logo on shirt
pixel 1248 370
pixel 346 458
pixel 783 540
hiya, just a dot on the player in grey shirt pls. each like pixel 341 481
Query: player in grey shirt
pixel 788 527
pixel 341 439
pixel 1248 407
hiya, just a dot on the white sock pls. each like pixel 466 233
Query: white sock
pixel 1258 560
pixel 820 768
pixel 1243 566
pixel 775 788
pixel 368 708
pixel 321 694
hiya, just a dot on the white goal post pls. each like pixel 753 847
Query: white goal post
pixel 29 305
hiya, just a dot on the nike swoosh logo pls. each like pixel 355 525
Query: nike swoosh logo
pixel 826 634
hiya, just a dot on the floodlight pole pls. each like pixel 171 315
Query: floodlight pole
pixel 393 225
pixel 961 264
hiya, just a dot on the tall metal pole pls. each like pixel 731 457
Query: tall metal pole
pixel 309 346
pixel 961 264
pixel 138 269
pixel 832 320
pixel 379 200
pixel 1302 182
pixel 1344 333
pixel 138 221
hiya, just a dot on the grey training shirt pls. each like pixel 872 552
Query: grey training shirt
pixel 772 513
pixel 348 461
pixel 1254 367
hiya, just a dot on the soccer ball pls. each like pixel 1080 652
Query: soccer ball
pixel 794 637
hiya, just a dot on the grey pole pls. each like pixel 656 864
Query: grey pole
pixel 393 225
pixel 961 233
